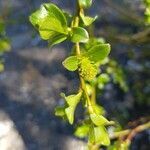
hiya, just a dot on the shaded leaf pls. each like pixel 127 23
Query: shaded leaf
pixel 98 52
pixel 71 63
pixel 58 38
pixel 60 111
pixel 82 131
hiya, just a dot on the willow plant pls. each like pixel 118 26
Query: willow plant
pixel 87 55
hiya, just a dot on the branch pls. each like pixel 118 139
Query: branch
pixel 130 133
pixel 138 129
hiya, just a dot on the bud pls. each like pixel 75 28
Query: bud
pixel 85 3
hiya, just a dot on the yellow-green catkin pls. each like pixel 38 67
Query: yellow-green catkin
pixel 88 70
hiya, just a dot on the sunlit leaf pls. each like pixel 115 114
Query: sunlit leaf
pixel 4 45
pixel 79 34
pixel 101 136
pixel 98 119
pixel 72 101
pixel 51 23
pixel 87 20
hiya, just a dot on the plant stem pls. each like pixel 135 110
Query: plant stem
pixel 82 81
pixel 93 96
pixel 136 130
pixel 130 133
pixel 78 53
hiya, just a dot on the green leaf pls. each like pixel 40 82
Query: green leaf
pixel 91 135
pixel 98 119
pixel 60 111
pixel 99 110
pixel 71 63
pixel 51 27
pixel 79 34
pixel 47 10
pixel 101 136
pixel 51 23
pixel 58 38
pixel 93 42
pixel 70 114
pixel 87 20
pixel 85 3
pixel 4 45
pixel 72 101
pixel 55 12
pixel 98 52
pixel 82 131
pixel 103 78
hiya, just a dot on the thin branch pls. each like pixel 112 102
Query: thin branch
pixel 138 129
pixel 130 133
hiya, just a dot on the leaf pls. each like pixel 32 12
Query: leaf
pixel 51 27
pixel 79 34
pixel 99 110
pixel 87 20
pixel 85 3
pixel 47 10
pixel 98 119
pixel 4 45
pixel 58 38
pixel 55 12
pixel 70 114
pixel 50 22
pixel 71 63
pixel 82 131
pixel 103 78
pixel 98 52
pixel 94 41
pixel 91 136
pixel 60 111
pixel 72 101
pixel 101 136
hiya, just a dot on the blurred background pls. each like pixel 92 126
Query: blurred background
pixel 33 77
